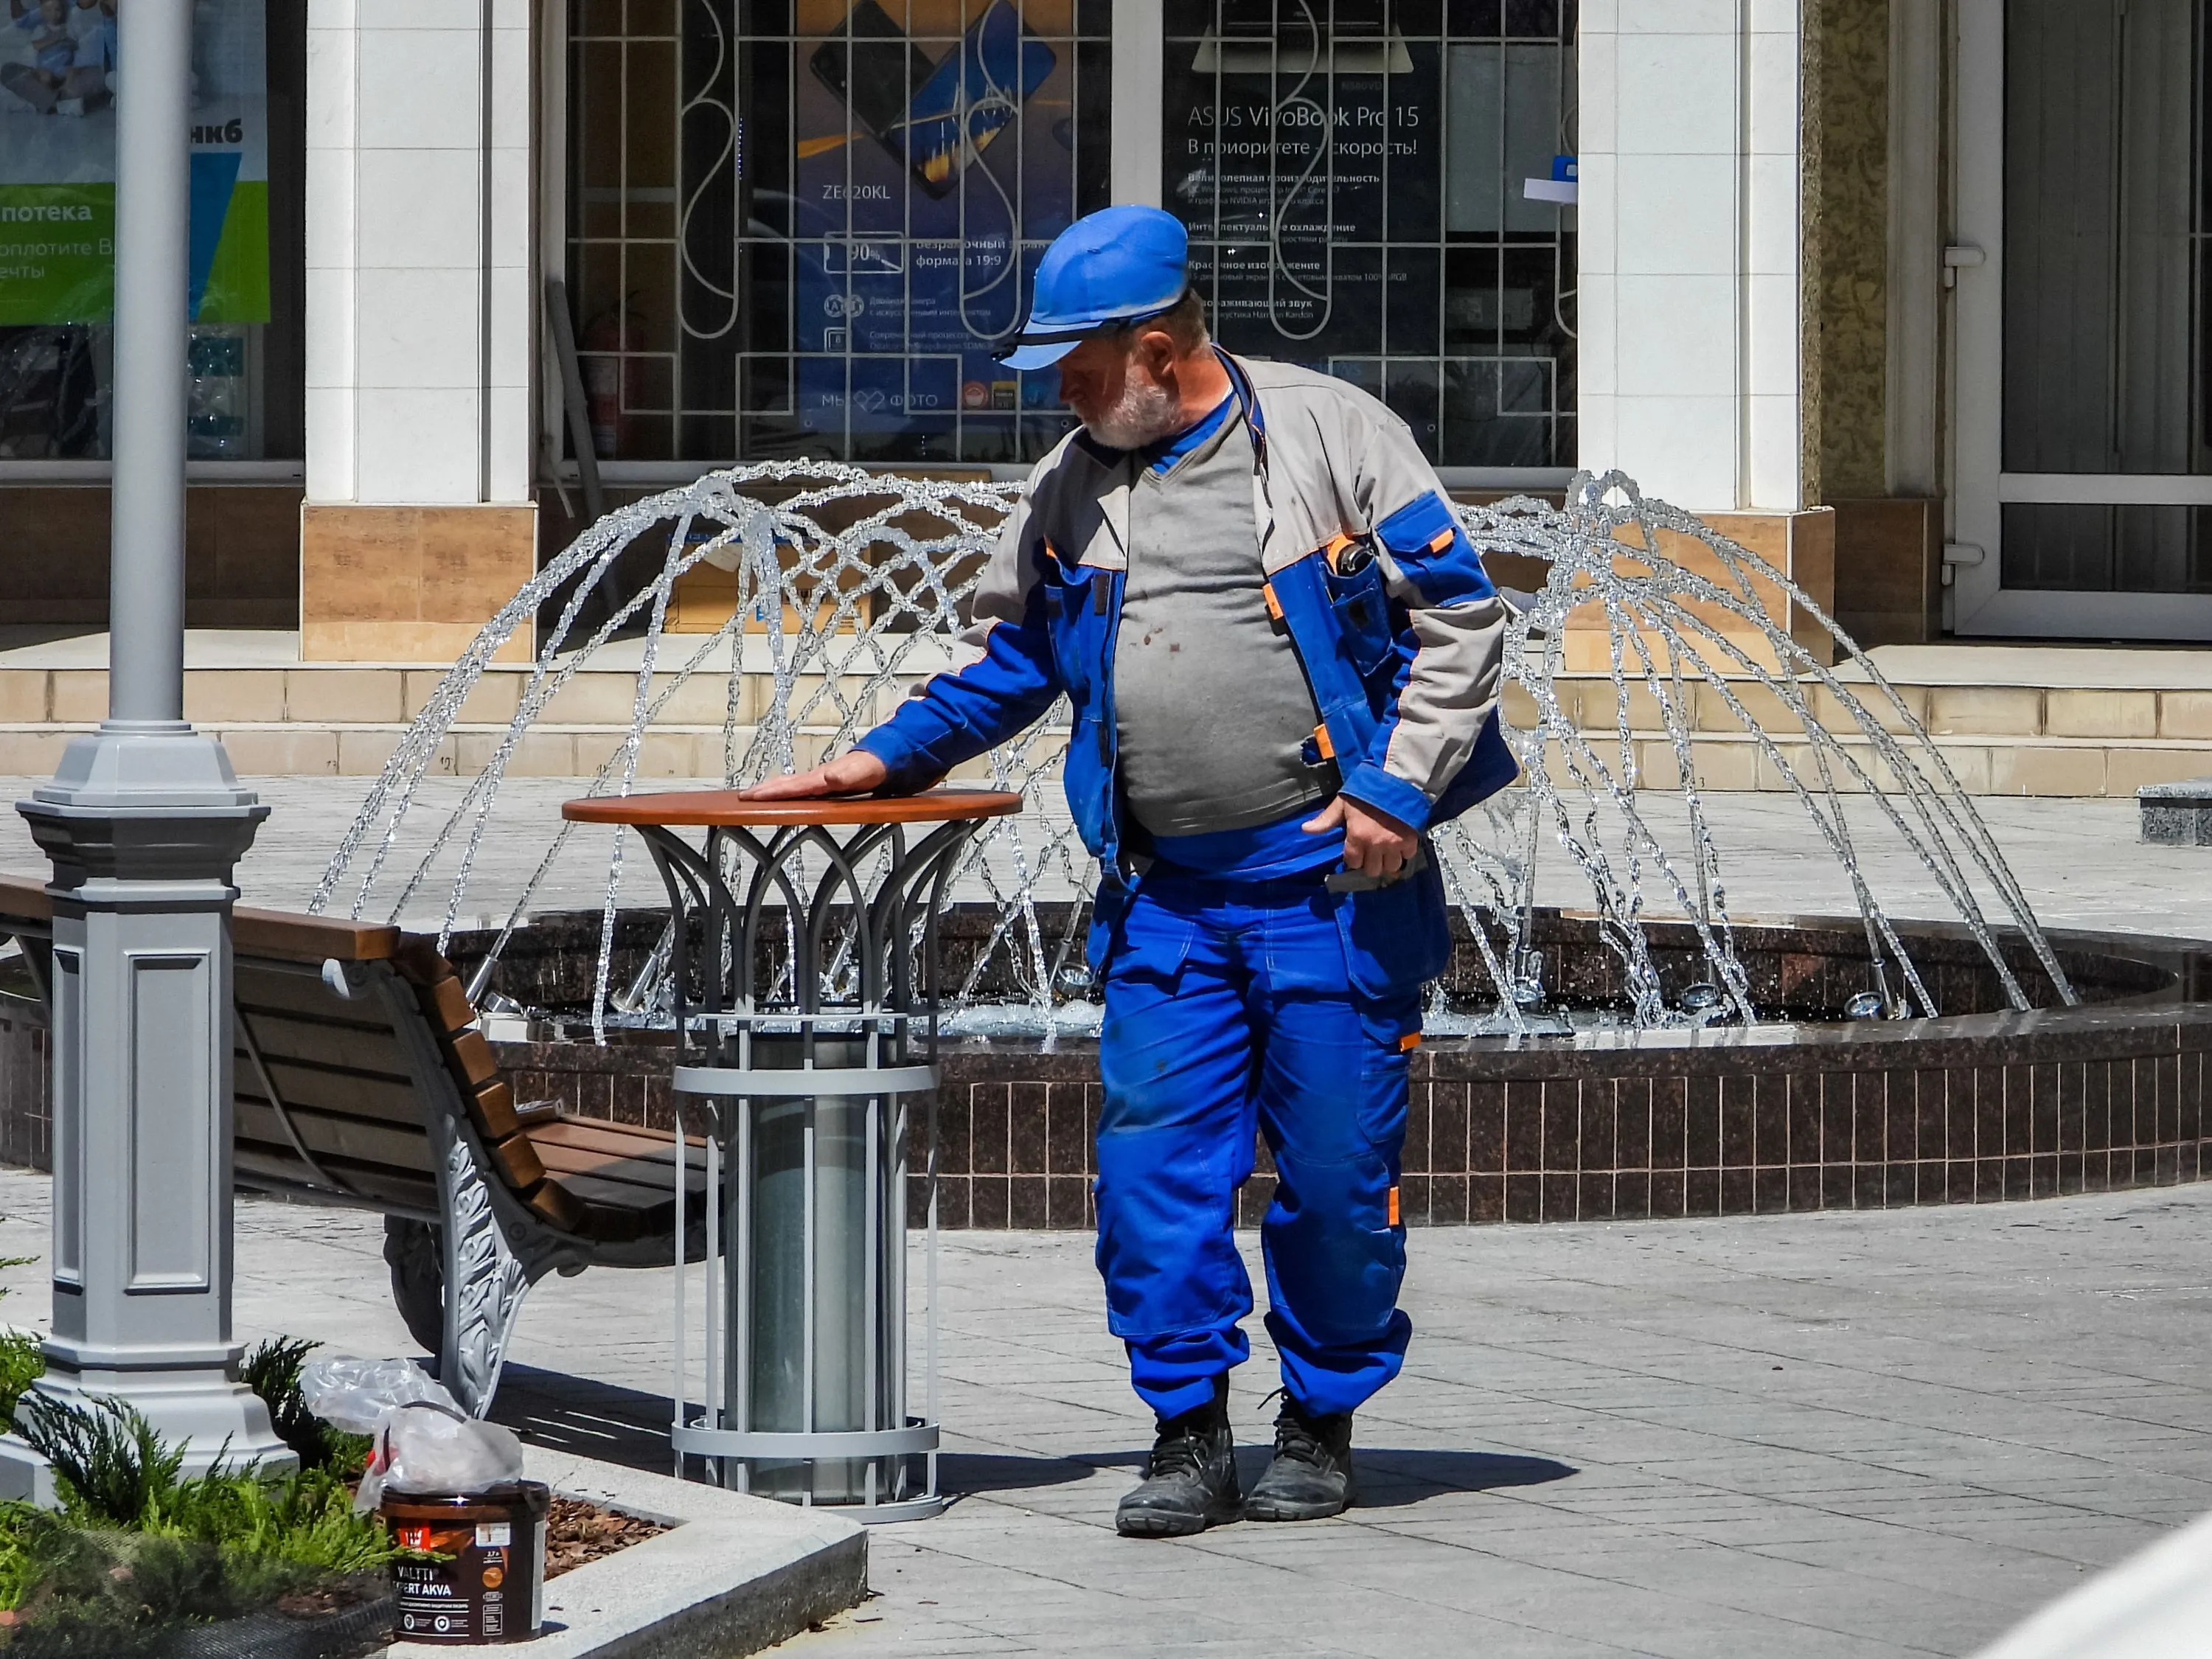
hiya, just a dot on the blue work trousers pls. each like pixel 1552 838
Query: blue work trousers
pixel 1228 1007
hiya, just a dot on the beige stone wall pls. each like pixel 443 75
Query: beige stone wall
pixel 410 584
pixel 1845 216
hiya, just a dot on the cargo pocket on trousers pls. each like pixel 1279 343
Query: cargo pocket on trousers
pixel 1392 1027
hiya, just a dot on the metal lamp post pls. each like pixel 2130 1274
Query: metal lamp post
pixel 144 822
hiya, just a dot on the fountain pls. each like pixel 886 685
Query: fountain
pixel 1647 1052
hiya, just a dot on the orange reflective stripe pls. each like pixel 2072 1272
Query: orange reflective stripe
pixel 1441 540
pixel 1408 1042
pixel 1320 742
pixel 1394 1206
pixel 1275 604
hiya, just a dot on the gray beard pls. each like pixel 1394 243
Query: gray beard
pixel 1143 414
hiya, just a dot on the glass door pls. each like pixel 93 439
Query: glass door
pixel 2084 473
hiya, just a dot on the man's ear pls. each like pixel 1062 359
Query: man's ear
pixel 1156 347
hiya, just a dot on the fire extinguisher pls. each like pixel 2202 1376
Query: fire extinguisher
pixel 608 375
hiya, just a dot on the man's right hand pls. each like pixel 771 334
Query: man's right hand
pixel 853 772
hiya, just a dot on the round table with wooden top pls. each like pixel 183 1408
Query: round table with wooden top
pixel 802 987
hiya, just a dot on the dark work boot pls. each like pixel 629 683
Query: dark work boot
pixel 1190 1480
pixel 1311 1475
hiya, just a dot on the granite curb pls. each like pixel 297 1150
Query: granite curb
pixel 2176 814
pixel 733 1574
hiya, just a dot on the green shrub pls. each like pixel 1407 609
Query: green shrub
pixel 111 1465
pixel 272 1370
pixel 305 1520
pixel 22 1362
pixel 138 1547
pixel 116 1594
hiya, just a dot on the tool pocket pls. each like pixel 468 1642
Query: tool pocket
pixel 1361 604
pixel 1392 1027
pixel 1075 613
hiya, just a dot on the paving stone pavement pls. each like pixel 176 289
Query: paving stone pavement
pixel 1827 1437
pixel 2080 860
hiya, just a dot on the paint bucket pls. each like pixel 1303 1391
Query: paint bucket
pixel 491 1587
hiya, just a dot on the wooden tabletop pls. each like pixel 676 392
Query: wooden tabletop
pixel 712 807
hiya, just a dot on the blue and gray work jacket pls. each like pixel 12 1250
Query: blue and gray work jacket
pixel 1398 628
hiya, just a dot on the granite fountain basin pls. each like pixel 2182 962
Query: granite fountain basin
pixel 1803 1108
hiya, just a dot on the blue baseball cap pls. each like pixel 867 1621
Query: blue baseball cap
pixel 1118 265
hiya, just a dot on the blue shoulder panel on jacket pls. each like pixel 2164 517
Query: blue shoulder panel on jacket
pixel 1426 542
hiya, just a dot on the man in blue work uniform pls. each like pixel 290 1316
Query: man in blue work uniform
pixel 1283 659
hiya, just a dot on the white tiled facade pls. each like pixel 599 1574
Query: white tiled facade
pixel 1689 359
pixel 406 274
pixel 1689 303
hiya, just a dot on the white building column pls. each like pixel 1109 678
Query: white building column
pixel 419 323
pixel 1689 359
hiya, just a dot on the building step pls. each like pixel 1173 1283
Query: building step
pixel 2099 723
pixel 1984 764
pixel 312 694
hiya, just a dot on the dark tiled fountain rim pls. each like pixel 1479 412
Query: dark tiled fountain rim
pixel 2183 1003
pixel 1965 1109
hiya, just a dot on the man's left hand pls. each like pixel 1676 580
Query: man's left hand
pixel 1375 843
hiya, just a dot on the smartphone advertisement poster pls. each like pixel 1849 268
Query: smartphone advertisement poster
pixel 1296 157
pixel 935 161
pixel 58 90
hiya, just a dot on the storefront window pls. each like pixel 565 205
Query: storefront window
pixel 802 227
pixel 58 75
pixel 1353 173
pixel 828 272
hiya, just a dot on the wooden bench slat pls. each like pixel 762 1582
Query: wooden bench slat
pixel 417 957
pixel 396 1110
pixel 284 934
pixel 605 1224
pixel 393 1112
pixel 280 992
pixel 290 936
pixel 470 1058
pixel 651 1180
pixel 557 1205
pixel 362 1095
pixel 25 897
pixel 342 1094
pixel 492 1107
pixel 517 1159
pixel 623 1140
pixel 388 1146
pixel 446 1004
pixel 374 1182
pixel 611 1213
pixel 337 1048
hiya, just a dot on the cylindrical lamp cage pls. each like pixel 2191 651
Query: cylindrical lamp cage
pixel 806 1009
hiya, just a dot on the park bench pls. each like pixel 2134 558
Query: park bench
pixel 361 1079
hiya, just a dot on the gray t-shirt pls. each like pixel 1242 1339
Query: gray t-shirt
pixel 1210 703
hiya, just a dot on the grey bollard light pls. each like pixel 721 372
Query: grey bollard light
pixel 144 822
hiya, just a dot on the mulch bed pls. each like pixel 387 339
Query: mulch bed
pixel 578 1532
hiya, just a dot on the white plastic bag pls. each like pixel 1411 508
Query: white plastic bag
pixel 423 1448
pixel 425 1443
pixel 357 1395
